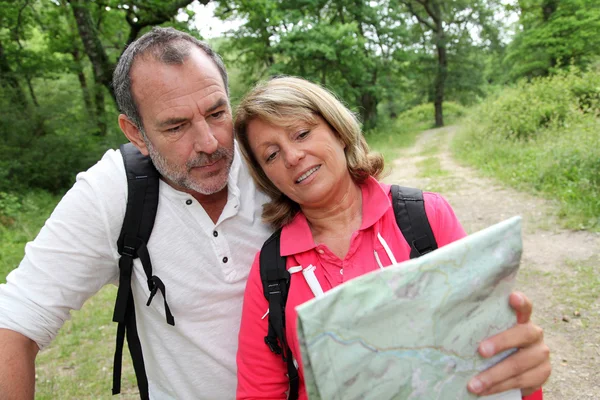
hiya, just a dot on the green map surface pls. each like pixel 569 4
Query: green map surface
pixel 411 331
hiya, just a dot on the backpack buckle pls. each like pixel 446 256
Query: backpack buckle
pixel 273 345
pixel 129 251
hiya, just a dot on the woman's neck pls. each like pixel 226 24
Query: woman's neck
pixel 334 225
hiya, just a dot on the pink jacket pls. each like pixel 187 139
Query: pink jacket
pixel 261 373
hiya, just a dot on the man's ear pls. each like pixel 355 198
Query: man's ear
pixel 133 133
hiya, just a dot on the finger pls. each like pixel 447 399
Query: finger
pixel 513 369
pixel 519 336
pixel 528 382
pixel 522 306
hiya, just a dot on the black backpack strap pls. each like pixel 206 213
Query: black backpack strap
pixel 142 203
pixel 409 209
pixel 276 282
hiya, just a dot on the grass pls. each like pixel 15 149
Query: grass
pixel 575 292
pixel 394 135
pixel 392 138
pixel 431 168
pixel 563 165
pixel 23 217
pixel 78 363
pixel 542 137
pixel 581 287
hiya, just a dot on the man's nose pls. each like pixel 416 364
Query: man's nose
pixel 204 139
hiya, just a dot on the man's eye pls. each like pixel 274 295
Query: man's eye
pixel 175 129
pixel 218 114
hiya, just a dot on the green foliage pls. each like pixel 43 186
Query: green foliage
pixel 55 94
pixel 371 53
pixel 525 110
pixel 9 208
pixel 556 33
pixel 21 217
pixel 543 137
pixel 392 135
pixel 421 114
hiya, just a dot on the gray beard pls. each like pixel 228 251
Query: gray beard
pixel 181 175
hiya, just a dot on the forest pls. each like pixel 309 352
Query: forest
pixel 381 57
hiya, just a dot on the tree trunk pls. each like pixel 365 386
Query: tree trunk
pixel 101 65
pixel 32 92
pixel 10 82
pixel 100 110
pixel 85 91
pixel 368 110
pixel 548 8
pixel 440 77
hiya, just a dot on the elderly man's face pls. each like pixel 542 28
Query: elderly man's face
pixel 187 120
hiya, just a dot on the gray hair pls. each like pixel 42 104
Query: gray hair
pixel 166 45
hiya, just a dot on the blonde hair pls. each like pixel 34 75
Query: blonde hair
pixel 283 102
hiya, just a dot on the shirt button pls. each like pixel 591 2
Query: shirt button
pixel 341 271
pixel 215 233
pixel 188 202
pixel 225 259
pixel 320 251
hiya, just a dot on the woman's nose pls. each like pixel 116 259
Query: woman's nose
pixel 292 156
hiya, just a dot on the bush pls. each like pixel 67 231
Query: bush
pixel 424 113
pixel 523 111
pixel 544 137
pixel 45 146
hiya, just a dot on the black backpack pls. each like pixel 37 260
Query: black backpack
pixel 411 218
pixel 142 203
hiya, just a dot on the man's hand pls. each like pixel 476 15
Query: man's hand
pixel 17 366
pixel 526 369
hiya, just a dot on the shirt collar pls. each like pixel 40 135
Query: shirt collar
pixel 296 236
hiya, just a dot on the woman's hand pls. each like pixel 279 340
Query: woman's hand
pixel 526 369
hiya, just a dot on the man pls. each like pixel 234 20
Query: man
pixel 172 91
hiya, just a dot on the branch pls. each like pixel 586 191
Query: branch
pixel 416 15
pixel 155 19
pixel 435 17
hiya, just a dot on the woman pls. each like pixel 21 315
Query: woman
pixel 306 151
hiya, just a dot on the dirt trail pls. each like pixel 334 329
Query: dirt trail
pixel 554 260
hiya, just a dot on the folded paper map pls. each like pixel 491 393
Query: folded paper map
pixel 411 331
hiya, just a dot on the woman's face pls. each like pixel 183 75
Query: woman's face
pixel 306 162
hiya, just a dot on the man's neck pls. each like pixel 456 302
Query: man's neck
pixel 213 204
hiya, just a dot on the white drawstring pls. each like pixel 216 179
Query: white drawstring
pixel 387 250
pixel 377 259
pixel 313 282
pixel 291 270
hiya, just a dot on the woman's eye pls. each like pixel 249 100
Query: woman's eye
pixel 271 157
pixel 303 134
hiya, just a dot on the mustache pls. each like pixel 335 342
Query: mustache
pixel 203 159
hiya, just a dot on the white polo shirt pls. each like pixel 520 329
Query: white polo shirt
pixel 203 265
